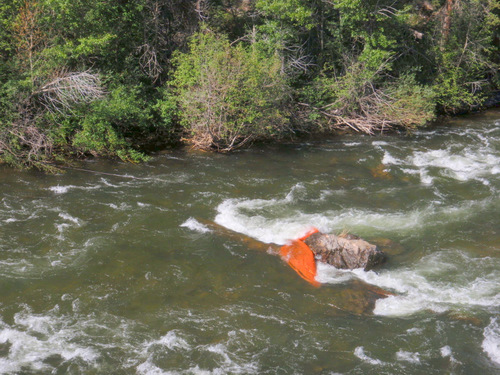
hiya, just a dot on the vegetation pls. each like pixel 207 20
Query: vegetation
pixel 228 96
pixel 107 78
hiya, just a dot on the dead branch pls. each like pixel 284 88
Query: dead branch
pixel 149 62
pixel 201 8
pixel 63 92
pixel 295 59
pixel 388 11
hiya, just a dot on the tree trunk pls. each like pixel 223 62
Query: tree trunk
pixel 447 22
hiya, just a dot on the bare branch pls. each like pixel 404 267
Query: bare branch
pixel 149 61
pixel 201 8
pixel 63 92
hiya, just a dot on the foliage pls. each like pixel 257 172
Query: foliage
pixel 408 103
pixel 361 100
pixel 110 78
pixel 445 47
pixel 466 67
pixel 73 74
pixel 228 95
pixel 105 125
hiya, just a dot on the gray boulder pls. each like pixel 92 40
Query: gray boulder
pixel 344 252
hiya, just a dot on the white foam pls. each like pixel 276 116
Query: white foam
pixel 461 165
pixel 278 220
pixel 425 178
pixel 360 353
pixel 228 361
pixel 107 183
pixel 58 189
pixel 149 368
pixel 230 365
pixel 445 351
pixel 61 189
pixel 491 342
pixel 439 282
pixel 402 355
pixel 122 207
pixel 414 331
pixel 37 337
pixel 477 158
pixel 15 267
pixel 172 340
pixel 61 227
pixel 388 159
pixel 380 143
pixel 243 216
pixel 68 217
pixel 195 225
pixel 327 274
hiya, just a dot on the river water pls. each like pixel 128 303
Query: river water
pixel 115 272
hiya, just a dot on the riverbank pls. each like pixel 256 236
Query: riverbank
pixel 64 159
pixel 232 73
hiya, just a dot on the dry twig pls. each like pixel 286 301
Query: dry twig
pixel 68 89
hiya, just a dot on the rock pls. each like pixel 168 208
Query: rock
pixel 389 246
pixel 344 252
pixel 464 317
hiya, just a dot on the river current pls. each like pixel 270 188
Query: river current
pixel 110 268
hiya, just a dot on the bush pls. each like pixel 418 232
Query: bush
pixel 228 96
pixel 104 127
pixel 408 104
pixel 364 99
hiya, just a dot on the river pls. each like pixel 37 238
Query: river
pixel 114 272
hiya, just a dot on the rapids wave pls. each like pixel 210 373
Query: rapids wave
pixel 446 278
pixel 440 281
pixel 491 342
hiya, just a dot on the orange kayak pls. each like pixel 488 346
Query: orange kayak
pixel 301 258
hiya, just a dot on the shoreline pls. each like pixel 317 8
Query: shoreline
pixel 151 151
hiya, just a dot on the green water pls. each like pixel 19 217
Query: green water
pixel 114 272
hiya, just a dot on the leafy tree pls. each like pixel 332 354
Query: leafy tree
pixel 465 54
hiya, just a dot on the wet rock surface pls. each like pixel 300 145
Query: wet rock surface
pixel 345 252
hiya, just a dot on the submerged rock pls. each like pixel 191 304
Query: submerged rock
pixel 344 252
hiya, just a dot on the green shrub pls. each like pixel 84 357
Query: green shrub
pixel 409 104
pixel 228 95
pixel 104 127
pixel 457 89
pixel 364 99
